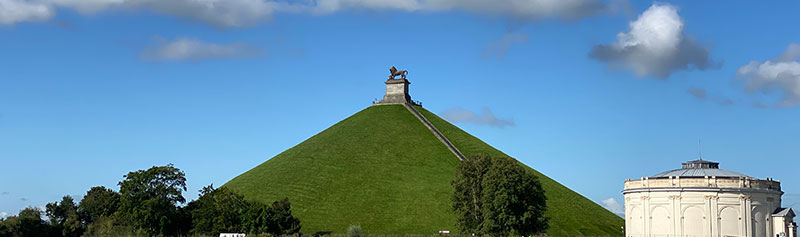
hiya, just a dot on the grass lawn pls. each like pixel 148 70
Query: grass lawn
pixel 382 169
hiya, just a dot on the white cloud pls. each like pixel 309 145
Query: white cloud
pixel 331 6
pixel 193 49
pixel 781 74
pixel 526 9
pixel 655 45
pixel 219 13
pixel 613 206
pixel 499 47
pixel 457 115
pixel 3 215
pixel 86 6
pixel 242 13
pixel 16 11
pixel 523 9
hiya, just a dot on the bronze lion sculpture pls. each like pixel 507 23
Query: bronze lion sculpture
pixel 394 72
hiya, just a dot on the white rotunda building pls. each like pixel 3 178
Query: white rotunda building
pixel 700 199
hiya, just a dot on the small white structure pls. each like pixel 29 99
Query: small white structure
pixel 700 199
pixel 232 235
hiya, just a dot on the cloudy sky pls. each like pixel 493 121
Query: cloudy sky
pixel 588 92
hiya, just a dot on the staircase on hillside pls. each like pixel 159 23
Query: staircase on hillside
pixel 397 93
pixel 435 131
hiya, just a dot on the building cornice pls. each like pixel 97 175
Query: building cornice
pixel 700 189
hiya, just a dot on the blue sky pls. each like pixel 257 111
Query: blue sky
pixel 590 93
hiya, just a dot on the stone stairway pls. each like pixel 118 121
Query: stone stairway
pixel 435 131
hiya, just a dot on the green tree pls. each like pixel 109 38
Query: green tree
pixel 218 210
pixel 276 219
pixel 496 195
pixel 111 226
pixel 281 220
pixel 64 217
pixel 257 218
pixel 513 200
pixel 27 223
pixel 98 202
pixel 149 198
pixel 467 196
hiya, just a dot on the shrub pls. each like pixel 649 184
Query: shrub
pixel 354 231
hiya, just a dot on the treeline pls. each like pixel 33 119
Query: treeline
pixel 147 204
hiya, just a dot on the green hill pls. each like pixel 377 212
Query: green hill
pixel 383 169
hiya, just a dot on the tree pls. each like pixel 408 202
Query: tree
pixel 149 198
pixel 27 223
pixel 276 219
pixel 467 198
pixel 64 217
pixel 217 210
pixel 257 218
pixel 98 202
pixel 496 195
pixel 282 222
pixel 513 200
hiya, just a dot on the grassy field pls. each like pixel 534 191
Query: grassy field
pixel 382 169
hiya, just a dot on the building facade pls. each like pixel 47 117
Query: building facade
pixel 702 200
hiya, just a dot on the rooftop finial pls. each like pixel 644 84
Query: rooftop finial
pixel 699 150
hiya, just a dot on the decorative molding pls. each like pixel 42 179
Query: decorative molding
pixel 744 197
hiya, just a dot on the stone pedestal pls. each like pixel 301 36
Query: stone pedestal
pixel 396 92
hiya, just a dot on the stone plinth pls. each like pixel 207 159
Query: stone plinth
pixel 396 92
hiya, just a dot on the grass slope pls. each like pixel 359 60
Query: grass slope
pixel 380 168
pixel 571 214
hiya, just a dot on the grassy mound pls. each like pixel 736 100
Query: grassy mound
pixel 382 169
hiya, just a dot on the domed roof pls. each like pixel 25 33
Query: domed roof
pixel 699 168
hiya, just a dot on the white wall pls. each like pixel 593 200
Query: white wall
pixel 687 213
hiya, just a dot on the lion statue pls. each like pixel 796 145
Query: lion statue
pixel 394 72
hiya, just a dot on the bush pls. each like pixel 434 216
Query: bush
pixel 354 231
